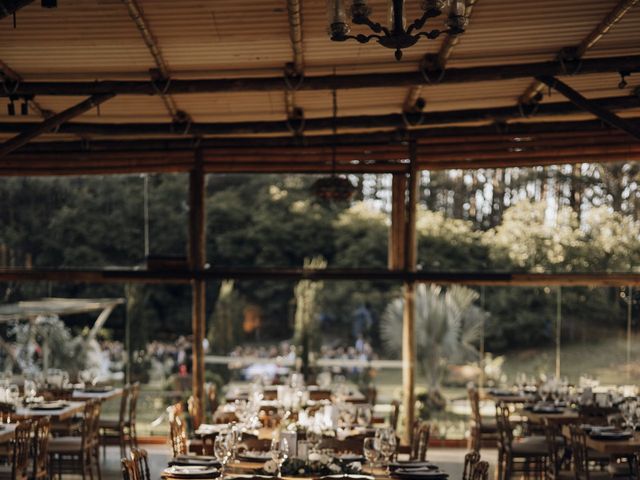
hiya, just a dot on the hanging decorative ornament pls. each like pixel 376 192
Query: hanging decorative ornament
pixel 334 188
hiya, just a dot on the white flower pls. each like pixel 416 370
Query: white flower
pixel 315 457
pixel 335 468
pixel 324 459
pixel 270 466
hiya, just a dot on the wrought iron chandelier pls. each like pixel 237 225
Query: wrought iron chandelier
pixel 397 35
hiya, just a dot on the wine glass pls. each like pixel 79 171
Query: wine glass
pixel 364 416
pixel 313 437
pixel 30 389
pixel 371 451
pixel 233 438
pixel 221 451
pixel 387 443
pixel 279 453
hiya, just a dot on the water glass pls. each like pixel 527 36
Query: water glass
pixel 221 451
pixel 279 453
pixel 371 452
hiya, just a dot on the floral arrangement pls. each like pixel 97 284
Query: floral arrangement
pixel 317 464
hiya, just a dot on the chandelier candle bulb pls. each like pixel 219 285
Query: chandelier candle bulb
pixel 338 27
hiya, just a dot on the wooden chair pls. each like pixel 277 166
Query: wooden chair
pixel 141 461
pixel 420 441
pixel 21 445
pixel 193 407
pixel 395 414
pixel 177 430
pixel 128 468
pixel 117 429
pixel 41 432
pixel 79 454
pixel 470 460
pixel 480 471
pixel 525 455
pixel 134 394
pixel 556 452
pixel 583 462
pixel 212 397
pixel 481 428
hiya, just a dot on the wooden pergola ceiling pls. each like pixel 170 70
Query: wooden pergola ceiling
pixel 186 75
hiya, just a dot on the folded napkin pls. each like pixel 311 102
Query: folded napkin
pixel 413 464
pixel 417 473
pixel 190 471
pixel 196 460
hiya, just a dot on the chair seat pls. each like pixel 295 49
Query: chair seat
pixel 111 424
pixel 65 445
pixel 488 425
pixel 535 446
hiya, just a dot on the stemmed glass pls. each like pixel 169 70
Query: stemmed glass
pixel 364 416
pixel 233 438
pixel 279 453
pixel 221 451
pixel 387 441
pixel 313 437
pixel 371 451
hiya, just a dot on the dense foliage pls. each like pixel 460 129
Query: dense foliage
pixel 550 219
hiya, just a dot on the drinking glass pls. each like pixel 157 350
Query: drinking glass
pixel 233 438
pixel 313 437
pixel 364 416
pixel 387 443
pixel 221 451
pixel 279 453
pixel 30 389
pixel 371 452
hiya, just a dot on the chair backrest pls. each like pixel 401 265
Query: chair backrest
pixel 480 471
pixel 505 430
pixel 470 460
pixel 124 403
pixel 395 414
pixel 552 432
pixel 212 397
pixel 420 440
pixel 141 461
pixel 193 407
pixel 133 402
pixel 579 451
pixel 474 400
pixel 128 468
pixel 21 448
pixel 94 424
pixel 177 430
pixel 42 429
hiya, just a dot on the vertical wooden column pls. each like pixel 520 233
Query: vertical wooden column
pixel 197 257
pixel 408 324
pixel 398 220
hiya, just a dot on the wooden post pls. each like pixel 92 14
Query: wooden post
pixel 398 221
pixel 197 257
pixel 408 325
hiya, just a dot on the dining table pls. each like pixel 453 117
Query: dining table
pixel 102 395
pixel 565 416
pixel 7 431
pixel 66 410
pixel 613 447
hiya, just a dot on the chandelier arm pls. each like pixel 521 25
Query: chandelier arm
pixel 375 26
pixel 418 23
pixel 361 38
pixel 432 34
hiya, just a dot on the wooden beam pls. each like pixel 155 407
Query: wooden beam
pixel 388 121
pixel 51 123
pixel 137 15
pixel 197 260
pixel 409 311
pixel 591 106
pixel 135 275
pixel 395 255
pixel 589 41
pixel 362 80
pixel 9 7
